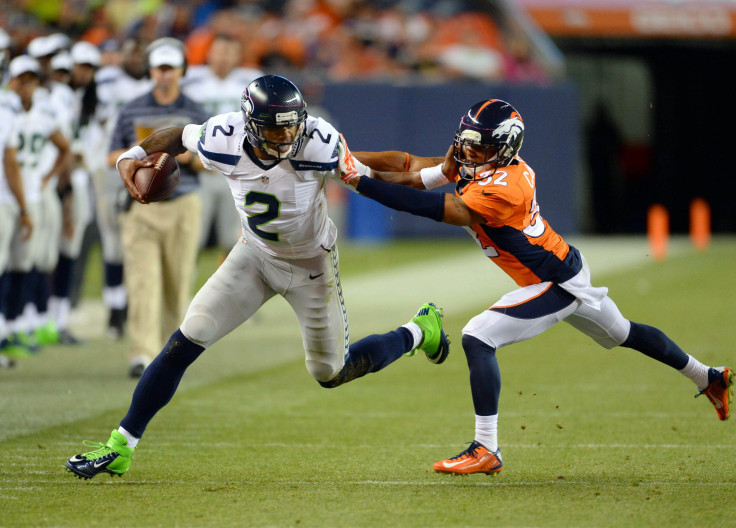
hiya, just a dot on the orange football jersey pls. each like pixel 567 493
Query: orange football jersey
pixel 514 235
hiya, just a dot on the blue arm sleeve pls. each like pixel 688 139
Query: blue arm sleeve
pixel 421 203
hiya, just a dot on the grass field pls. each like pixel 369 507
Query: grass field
pixel 590 437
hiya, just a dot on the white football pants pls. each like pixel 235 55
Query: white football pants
pixel 249 277
pixel 597 316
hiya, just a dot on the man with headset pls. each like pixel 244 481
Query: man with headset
pixel 160 239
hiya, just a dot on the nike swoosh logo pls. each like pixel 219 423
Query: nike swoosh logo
pixel 487 194
pixel 103 463
pixel 452 464
pixel 77 458
pixel 315 276
pixel 717 403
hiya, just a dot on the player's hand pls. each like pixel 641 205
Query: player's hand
pixel 127 168
pixel 347 163
pixel 449 166
pixel 26 226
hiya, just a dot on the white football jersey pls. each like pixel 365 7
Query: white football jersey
pixel 34 129
pixel 282 207
pixel 218 96
pixel 8 139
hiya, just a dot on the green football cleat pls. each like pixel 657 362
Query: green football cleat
pixel 435 344
pixel 113 457
pixel 48 334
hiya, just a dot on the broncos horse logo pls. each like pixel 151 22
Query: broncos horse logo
pixel 510 127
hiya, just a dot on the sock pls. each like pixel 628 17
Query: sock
pixel 486 428
pixel 60 307
pixel 416 333
pixel 697 372
pixel 132 440
pixel 63 277
pixel 18 283
pixel 485 376
pixel 372 354
pixel 654 343
pixel 159 382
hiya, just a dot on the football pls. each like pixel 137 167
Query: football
pixel 159 181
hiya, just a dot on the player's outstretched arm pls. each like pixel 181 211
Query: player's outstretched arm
pixel 442 207
pixel 166 140
pixel 397 167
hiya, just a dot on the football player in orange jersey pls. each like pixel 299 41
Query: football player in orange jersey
pixel 495 200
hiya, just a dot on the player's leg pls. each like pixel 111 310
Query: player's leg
pixel 609 328
pixel 108 185
pixel 233 294
pixel 517 316
pixel 46 256
pixel 18 282
pixel 180 250
pixel 315 294
pixel 70 248
pixel 143 271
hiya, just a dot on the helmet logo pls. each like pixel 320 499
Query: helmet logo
pixel 511 127
pixel 471 135
pixel 287 118
pixel 247 104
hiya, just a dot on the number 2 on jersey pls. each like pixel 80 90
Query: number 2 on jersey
pixel 272 212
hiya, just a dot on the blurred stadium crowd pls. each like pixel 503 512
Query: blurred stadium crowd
pixel 414 40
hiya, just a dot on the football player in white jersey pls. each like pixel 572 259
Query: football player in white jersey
pixel 84 60
pixel 36 125
pixel 276 160
pixel 54 221
pixel 116 85
pixel 218 86
pixel 15 221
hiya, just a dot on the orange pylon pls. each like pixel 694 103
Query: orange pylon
pixel 658 230
pixel 700 224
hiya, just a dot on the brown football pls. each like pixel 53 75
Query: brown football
pixel 159 181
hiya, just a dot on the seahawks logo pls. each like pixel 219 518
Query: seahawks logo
pixel 247 104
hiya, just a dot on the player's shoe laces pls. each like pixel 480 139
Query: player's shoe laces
pixel 720 390
pixel 435 344
pixel 475 459
pixel 113 458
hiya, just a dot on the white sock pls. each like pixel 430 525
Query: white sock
pixel 416 333
pixel 132 440
pixel 697 372
pixel 63 308
pixel 486 431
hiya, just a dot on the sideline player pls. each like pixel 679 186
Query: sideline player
pixel 36 126
pixel 15 220
pixel 218 86
pixel 276 160
pixel 495 199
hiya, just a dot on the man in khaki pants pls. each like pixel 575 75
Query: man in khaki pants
pixel 160 239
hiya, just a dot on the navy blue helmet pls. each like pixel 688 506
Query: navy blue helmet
pixel 273 101
pixel 493 127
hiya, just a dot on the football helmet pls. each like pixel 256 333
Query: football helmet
pixel 494 130
pixel 272 101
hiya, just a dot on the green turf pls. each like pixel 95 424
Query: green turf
pixel 590 437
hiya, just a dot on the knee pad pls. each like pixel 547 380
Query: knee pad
pixel 199 328
pixel 322 371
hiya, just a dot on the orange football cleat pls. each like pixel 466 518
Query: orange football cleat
pixel 720 392
pixel 475 459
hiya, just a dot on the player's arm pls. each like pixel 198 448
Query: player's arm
pixel 398 167
pixel 442 207
pixel 63 160
pixel 167 140
pixel 12 175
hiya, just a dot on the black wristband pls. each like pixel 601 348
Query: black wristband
pixel 421 203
